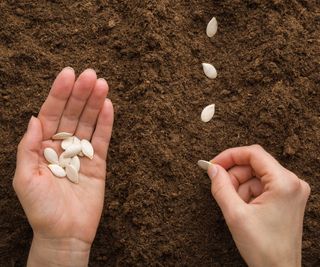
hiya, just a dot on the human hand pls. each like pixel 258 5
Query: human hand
pixel 263 204
pixel 65 216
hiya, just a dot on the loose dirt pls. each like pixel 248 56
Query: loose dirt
pixel 158 207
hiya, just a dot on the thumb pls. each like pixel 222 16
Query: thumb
pixel 29 147
pixel 223 190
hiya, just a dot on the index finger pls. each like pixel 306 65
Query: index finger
pixel 260 160
pixel 53 106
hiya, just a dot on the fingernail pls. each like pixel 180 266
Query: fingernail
pixel 91 70
pixel 68 68
pixel 102 80
pixel 212 171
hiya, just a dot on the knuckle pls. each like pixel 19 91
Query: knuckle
pixel 257 147
pixel 290 185
pixel 292 176
pixel 257 150
pixel 306 188
pixel 294 185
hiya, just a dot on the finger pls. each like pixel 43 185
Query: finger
pixel 261 161
pixel 91 111
pixel 102 134
pixel 240 174
pixel 223 190
pixel 80 93
pixel 250 189
pixel 29 148
pixel 52 109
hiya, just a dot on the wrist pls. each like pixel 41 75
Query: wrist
pixel 65 252
pixel 282 259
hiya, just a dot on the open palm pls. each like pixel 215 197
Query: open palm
pixel 55 207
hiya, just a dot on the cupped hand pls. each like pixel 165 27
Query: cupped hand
pixel 65 216
pixel 263 204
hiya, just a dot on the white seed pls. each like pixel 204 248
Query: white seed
pixel 75 162
pixel 72 174
pixel 212 27
pixel 72 150
pixel 209 70
pixel 76 140
pixel 67 142
pixel 203 164
pixel 61 135
pixel 87 148
pixel 50 155
pixel 57 170
pixel 63 160
pixel 207 113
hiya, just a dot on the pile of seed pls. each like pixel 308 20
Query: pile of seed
pixel 68 163
pixel 211 72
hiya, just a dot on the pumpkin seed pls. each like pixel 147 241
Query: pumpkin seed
pixel 212 27
pixel 61 135
pixel 203 164
pixel 209 70
pixel 76 140
pixel 72 174
pixel 75 162
pixel 207 113
pixel 72 150
pixel 57 170
pixel 87 148
pixel 51 155
pixel 63 160
pixel 69 158
pixel 67 142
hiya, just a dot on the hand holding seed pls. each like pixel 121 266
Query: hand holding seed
pixel 64 215
pixel 263 204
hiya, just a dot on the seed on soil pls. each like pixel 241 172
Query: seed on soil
pixel 203 164
pixel 61 136
pixel 57 170
pixel 87 148
pixel 75 162
pixel 67 142
pixel 64 161
pixel 209 70
pixel 207 113
pixel 72 150
pixel 72 174
pixel 212 27
pixel 50 155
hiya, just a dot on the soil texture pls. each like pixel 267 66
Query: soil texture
pixel 158 207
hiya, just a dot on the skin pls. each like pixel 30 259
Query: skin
pixel 65 216
pixel 263 203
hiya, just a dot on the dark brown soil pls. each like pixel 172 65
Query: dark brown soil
pixel 158 206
